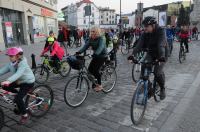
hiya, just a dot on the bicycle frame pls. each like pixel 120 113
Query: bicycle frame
pixel 4 94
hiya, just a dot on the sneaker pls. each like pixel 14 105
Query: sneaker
pixel 98 88
pixel 162 94
pixel 24 118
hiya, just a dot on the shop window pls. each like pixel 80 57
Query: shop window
pixel 38 26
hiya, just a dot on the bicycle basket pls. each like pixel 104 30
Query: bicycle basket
pixel 76 62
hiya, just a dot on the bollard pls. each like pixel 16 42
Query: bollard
pixel 33 61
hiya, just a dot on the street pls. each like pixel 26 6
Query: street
pixel 179 112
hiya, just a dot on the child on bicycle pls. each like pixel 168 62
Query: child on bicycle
pixel 22 78
pixel 56 52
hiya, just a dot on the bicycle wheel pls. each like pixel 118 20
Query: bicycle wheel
pixel 136 71
pixel 124 49
pixel 109 79
pixel 156 91
pixel 65 68
pixel 76 91
pixel 139 103
pixel 1 119
pixel 39 100
pixel 41 74
pixel 181 55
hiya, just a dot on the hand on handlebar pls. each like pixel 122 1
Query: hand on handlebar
pixel 5 83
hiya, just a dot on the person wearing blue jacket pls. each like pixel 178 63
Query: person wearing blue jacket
pixel 169 33
pixel 22 77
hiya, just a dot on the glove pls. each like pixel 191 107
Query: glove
pixel 162 59
pixel 77 53
pixel 131 57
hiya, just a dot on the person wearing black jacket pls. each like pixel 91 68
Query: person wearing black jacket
pixel 154 40
pixel 61 39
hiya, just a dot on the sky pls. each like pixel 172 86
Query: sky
pixel 128 6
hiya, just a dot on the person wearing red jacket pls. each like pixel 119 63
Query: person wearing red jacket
pixel 56 52
pixel 184 36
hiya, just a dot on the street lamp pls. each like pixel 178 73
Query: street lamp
pixel 120 28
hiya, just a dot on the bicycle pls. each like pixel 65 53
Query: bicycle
pixel 145 90
pixel 38 101
pixel 126 45
pixel 1 119
pixel 182 54
pixel 137 67
pixel 77 88
pixel 42 71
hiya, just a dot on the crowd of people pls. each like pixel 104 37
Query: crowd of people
pixel 101 41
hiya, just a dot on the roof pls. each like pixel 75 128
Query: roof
pixel 106 9
pixel 78 4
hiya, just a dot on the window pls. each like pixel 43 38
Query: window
pixel 110 22
pixel 112 16
pixel 107 14
pixel 84 21
pixel 101 22
pixel 101 16
pixel 107 19
pixel 113 22
pixel 92 14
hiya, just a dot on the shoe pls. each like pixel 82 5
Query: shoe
pixel 98 88
pixel 162 94
pixel 24 118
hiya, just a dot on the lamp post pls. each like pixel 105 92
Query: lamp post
pixel 120 28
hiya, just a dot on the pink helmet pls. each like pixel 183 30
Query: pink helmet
pixel 20 49
pixel 12 51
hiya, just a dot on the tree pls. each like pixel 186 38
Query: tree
pixel 183 18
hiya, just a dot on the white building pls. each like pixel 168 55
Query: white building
pixel 128 20
pixel 75 15
pixel 195 14
pixel 107 18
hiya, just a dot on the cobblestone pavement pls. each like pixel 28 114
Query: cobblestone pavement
pixel 111 112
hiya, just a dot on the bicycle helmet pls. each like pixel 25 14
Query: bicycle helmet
pixel 50 39
pixel 149 21
pixel 12 51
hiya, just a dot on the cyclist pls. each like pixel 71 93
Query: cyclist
pixel 62 38
pixel 169 34
pixel 22 78
pixel 184 36
pixel 127 36
pixel 56 51
pixel 98 45
pixel 194 31
pixel 51 34
pixel 154 39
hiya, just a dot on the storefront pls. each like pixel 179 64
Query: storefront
pixel 26 22
pixel 12 27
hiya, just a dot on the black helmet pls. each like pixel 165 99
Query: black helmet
pixel 50 32
pixel 149 21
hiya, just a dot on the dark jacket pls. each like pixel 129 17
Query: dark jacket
pixel 61 36
pixel 155 43
pixel 98 46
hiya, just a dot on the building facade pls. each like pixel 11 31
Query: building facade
pixel 26 21
pixel 74 15
pixel 195 14
pixel 107 18
pixel 128 20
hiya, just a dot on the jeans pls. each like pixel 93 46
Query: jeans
pixel 24 89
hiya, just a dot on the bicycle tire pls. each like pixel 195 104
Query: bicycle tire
pixel 67 86
pixel 156 92
pixel 124 49
pixel 39 81
pixel 49 102
pixel 108 72
pixel 68 71
pixel 133 71
pixel 1 119
pixel 133 105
